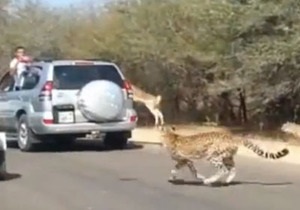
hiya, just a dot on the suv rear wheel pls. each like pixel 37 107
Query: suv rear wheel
pixel 26 138
pixel 115 140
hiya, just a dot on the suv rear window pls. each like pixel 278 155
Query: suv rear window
pixel 75 77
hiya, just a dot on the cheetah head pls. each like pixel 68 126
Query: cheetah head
pixel 167 134
pixel 168 129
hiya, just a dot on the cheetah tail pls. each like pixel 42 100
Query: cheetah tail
pixel 268 155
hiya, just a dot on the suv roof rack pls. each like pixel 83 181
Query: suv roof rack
pixel 91 59
pixel 47 60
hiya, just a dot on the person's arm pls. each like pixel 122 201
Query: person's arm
pixel 13 67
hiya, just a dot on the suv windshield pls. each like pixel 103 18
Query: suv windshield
pixel 75 77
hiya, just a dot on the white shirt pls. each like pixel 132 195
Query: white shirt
pixel 21 67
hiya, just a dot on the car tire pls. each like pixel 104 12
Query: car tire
pixel 115 140
pixel 26 138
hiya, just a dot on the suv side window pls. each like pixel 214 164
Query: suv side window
pixel 30 78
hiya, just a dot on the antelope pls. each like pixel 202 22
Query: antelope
pixel 151 102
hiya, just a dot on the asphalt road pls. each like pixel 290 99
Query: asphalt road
pixel 87 178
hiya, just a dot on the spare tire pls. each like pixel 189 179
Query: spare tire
pixel 100 100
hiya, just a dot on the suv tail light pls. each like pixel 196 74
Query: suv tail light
pixel 48 121
pixel 133 118
pixel 128 88
pixel 46 91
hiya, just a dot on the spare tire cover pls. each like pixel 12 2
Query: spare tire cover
pixel 100 100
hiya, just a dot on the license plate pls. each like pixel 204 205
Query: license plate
pixel 65 117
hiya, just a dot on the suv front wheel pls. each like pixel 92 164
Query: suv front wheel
pixel 26 137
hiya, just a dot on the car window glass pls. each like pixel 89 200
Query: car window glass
pixel 30 80
pixel 75 77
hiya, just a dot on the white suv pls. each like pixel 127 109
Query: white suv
pixel 64 99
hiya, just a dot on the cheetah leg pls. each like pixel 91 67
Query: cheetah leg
pixel 230 165
pixel 221 170
pixel 231 176
pixel 194 172
pixel 178 166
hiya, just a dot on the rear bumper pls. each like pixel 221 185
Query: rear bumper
pixel 38 127
pixel 83 128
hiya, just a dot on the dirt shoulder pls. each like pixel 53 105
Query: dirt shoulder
pixel 271 142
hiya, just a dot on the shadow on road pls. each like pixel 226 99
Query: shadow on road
pixel 222 184
pixel 9 176
pixel 77 146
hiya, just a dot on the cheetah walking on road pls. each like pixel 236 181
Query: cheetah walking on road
pixel 218 147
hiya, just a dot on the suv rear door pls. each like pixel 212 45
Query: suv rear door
pixel 69 79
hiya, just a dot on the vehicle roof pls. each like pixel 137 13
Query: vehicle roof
pixel 72 62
